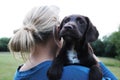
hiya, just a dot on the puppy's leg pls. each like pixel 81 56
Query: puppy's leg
pixel 95 73
pixel 55 71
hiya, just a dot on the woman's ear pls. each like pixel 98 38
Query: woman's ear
pixel 56 31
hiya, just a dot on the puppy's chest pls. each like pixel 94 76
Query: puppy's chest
pixel 72 56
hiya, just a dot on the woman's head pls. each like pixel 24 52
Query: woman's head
pixel 37 29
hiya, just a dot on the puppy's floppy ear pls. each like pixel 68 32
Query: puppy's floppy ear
pixel 92 33
pixel 60 27
pixel 63 22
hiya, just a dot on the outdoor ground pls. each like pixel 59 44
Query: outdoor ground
pixel 8 65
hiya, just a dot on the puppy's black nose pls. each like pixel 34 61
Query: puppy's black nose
pixel 69 27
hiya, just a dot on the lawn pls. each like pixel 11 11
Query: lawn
pixel 112 64
pixel 8 65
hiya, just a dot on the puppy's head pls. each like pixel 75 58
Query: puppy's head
pixel 77 27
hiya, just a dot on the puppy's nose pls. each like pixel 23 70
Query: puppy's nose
pixel 68 27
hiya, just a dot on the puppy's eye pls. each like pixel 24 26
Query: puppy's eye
pixel 80 21
pixel 67 20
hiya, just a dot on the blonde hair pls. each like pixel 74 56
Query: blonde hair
pixel 39 20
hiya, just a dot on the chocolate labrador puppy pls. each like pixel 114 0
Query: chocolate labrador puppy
pixel 77 32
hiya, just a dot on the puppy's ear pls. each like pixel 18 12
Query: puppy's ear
pixel 57 30
pixel 61 26
pixel 63 22
pixel 92 33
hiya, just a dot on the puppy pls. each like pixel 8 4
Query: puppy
pixel 77 31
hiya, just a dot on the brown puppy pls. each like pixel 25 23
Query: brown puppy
pixel 77 31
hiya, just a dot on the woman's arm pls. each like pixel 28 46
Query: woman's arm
pixel 106 72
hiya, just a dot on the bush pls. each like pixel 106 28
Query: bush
pixel 3 44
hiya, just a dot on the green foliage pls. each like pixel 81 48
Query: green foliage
pixel 109 46
pixel 115 39
pixel 3 44
pixel 98 47
pixel 109 49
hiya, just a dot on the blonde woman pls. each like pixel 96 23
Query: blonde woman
pixel 37 38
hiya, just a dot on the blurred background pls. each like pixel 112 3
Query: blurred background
pixel 104 14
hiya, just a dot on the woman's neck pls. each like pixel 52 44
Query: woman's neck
pixel 41 53
pixel 37 56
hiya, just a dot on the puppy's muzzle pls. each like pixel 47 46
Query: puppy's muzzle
pixel 68 27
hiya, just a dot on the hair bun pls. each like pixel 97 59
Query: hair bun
pixel 31 29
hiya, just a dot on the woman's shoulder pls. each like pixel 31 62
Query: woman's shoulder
pixel 75 72
pixel 77 68
pixel 33 73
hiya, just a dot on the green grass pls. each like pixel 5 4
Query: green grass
pixel 110 61
pixel 8 65
pixel 112 64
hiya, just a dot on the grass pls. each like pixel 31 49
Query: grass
pixel 110 61
pixel 8 65
pixel 112 64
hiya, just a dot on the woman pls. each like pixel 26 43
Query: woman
pixel 37 39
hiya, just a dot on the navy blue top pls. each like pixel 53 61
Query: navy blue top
pixel 72 72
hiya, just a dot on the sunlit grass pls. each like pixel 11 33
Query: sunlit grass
pixel 110 61
pixel 8 65
pixel 113 65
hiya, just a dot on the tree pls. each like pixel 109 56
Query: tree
pixel 109 46
pixel 112 44
pixel 98 47
pixel 3 44
pixel 109 49
pixel 114 38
